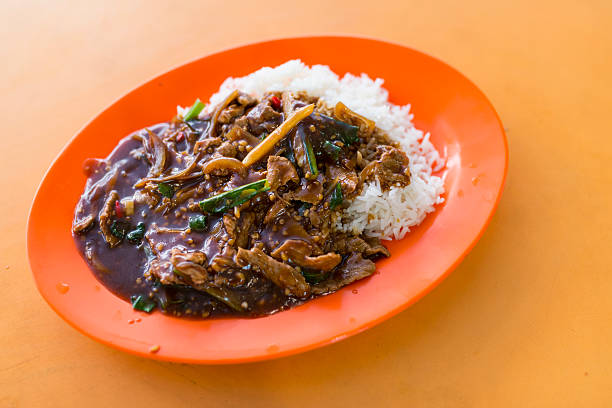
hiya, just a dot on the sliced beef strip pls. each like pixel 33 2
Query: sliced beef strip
pixel 224 260
pixel 189 265
pixel 310 191
pixel 187 268
pixel 391 168
pixel 227 149
pixel 370 247
pixel 157 153
pixel 83 224
pixel 207 144
pixel 179 266
pixel 230 224
pixel 239 229
pixel 105 219
pixel 237 133
pixel 355 268
pixel 348 179
pixel 315 218
pixel 276 210
pixel 291 101
pixel 280 172
pixel 281 274
pixel 94 191
pixel 375 247
pixel 228 114
pixel 299 252
pixel 263 118
pixel 246 225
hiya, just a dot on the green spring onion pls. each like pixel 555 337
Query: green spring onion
pixel 119 228
pixel 224 201
pixel 140 302
pixel 194 111
pixel 165 189
pixel 332 150
pixel 336 197
pixel 136 235
pixel 310 156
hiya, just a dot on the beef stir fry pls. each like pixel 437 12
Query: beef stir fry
pixel 235 212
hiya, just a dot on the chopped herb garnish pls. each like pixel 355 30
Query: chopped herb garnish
pixel 336 197
pixel 135 236
pixel 224 201
pixel 197 223
pixel 332 150
pixel 310 156
pixel 194 111
pixel 119 229
pixel 166 190
pixel 140 302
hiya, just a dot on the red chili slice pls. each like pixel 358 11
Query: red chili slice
pixel 275 102
pixel 118 210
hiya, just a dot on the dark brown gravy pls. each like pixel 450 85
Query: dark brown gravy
pixel 121 269
pixel 164 225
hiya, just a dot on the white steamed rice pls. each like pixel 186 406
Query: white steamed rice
pixel 388 214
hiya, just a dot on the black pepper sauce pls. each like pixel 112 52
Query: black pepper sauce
pixel 121 269
pixel 167 241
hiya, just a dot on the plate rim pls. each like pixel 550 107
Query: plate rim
pixel 311 345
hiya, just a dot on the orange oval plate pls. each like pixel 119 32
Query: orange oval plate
pixel 464 127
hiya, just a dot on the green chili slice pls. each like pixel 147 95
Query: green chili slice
pixel 194 111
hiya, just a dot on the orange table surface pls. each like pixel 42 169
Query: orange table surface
pixel 524 321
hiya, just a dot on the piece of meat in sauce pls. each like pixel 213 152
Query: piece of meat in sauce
pixel 299 252
pixel 263 118
pixel 280 273
pixel 355 268
pixel 280 172
pixel 390 168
